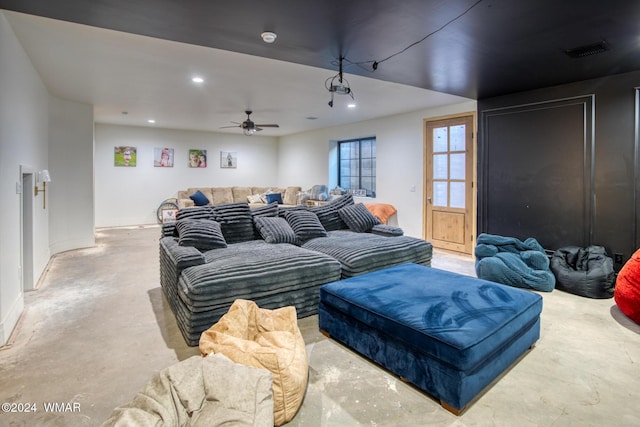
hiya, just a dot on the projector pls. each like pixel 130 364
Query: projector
pixel 340 89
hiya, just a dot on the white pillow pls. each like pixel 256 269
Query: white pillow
pixel 255 198
pixel 263 196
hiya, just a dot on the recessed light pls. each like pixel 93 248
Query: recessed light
pixel 351 105
pixel 151 121
pixel 269 37
pixel 197 79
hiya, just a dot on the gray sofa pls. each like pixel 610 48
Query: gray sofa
pixel 200 284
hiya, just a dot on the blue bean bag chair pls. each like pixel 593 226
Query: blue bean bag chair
pixel 513 262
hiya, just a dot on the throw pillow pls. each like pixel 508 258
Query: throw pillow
pixel 275 230
pixel 199 199
pixel 302 197
pixel 319 192
pixel 305 224
pixel 203 234
pixel 267 210
pixel 201 212
pixel 263 196
pixel 291 195
pixel 358 218
pixel 382 211
pixel 235 221
pixel 274 197
pixel 254 198
pixel 282 210
pixel 328 214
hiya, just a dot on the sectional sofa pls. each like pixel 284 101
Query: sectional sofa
pixel 237 194
pixel 274 255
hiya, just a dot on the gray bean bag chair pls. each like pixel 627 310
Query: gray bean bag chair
pixel 512 262
pixel 201 392
pixel 587 272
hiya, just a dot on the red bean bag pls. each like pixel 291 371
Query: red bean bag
pixel 627 291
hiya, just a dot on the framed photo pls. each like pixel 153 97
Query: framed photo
pixel 197 158
pixel 228 159
pixel 169 215
pixel 125 156
pixel 163 157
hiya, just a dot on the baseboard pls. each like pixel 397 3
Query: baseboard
pixel 68 245
pixel 10 321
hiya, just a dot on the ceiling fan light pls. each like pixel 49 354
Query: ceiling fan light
pixel 269 37
pixel 249 131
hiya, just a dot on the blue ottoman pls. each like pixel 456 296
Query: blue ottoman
pixel 448 334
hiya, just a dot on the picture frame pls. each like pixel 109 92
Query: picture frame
pixel 125 156
pixel 228 159
pixel 197 158
pixel 169 215
pixel 163 157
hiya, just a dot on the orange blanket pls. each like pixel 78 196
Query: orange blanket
pixel 382 211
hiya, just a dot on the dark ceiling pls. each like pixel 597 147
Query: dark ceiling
pixel 496 47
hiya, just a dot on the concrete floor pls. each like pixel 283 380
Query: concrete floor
pixel 98 328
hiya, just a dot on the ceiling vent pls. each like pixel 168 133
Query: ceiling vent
pixel 588 50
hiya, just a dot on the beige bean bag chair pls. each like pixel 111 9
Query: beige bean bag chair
pixel 201 392
pixel 268 339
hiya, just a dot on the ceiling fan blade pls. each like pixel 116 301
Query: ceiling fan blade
pixel 225 127
pixel 268 126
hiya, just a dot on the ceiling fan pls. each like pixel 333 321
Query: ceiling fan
pixel 248 126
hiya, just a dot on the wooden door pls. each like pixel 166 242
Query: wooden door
pixel 449 214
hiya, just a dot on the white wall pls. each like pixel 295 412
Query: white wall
pixel 400 154
pixel 70 194
pixel 38 131
pixel 131 195
pixel 23 141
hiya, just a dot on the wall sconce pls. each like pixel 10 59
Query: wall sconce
pixel 43 177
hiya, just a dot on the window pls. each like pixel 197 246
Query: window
pixel 357 165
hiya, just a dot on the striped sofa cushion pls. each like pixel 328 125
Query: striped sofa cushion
pixel 358 218
pixel 202 234
pixel 270 210
pixel 200 212
pixel 275 230
pixel 387 230
pixel 305 224
pixel 271 275
pixel 282 210
pixel 235 221
pixel 364 252
pixel 169 230
pixel 328 214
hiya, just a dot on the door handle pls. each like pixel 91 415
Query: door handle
pixel 429 199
